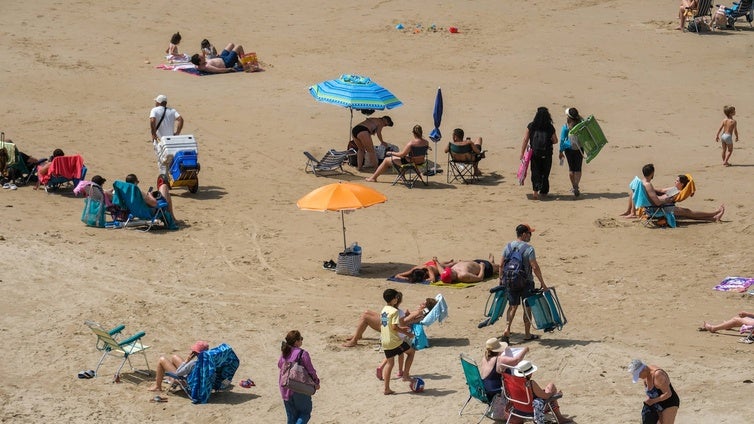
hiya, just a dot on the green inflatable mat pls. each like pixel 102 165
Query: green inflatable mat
pixel 590 135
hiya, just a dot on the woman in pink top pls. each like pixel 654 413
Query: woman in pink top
pixel 298 407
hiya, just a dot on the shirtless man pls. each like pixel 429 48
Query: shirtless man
pixel 469 271
pixel 476 149
pixel 218 65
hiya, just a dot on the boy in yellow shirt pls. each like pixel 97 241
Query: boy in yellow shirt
pixel 392 344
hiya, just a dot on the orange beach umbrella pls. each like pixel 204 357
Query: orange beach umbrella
pixel 341 197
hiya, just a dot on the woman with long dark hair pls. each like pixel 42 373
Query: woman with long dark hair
pixel 298 406
pixel 540 135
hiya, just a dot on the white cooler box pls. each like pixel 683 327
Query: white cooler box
pixel 170 145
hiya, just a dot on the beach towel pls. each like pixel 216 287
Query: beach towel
pixel 213 367
pixel 68 167
pixel 394 279
pixel 438 314
pixel 734 284
pixel 452 285
pixel 524 167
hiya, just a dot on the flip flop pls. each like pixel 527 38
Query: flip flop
pixel 159 399
pixel 86 374
pixel 532 337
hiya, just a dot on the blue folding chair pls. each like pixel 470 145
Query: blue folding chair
pixel 128 196
pixel 739 10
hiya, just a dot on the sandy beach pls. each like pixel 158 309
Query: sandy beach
pixel 246 265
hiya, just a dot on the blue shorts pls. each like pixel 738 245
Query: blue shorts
pixel 229 58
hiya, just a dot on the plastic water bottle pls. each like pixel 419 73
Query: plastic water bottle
pixel 356 248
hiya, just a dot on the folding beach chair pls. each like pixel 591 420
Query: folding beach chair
pixel 410 172
pixel 459 170
pixel 476 386
pixel 704 10
pixel 518 392
pixel 127 196
pixel 652 214
pixel 330 164
pixel 64 171
pixel 495 306
pixel 108 344
pixel 214 371
pixel 739 10
pixel 590 135
pixel 544 310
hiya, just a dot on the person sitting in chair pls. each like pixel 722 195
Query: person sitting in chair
pixel 226 62
pixel 498 358
pixel 541 396
pixel 687 9
pixel 404 156
pixel 472 150
pixel 177 365
pixel 680 183
pixel 151 198
pixel 42 170
pixel 371 319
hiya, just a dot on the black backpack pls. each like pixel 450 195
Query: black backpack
pixel 514 274
pixel 540 142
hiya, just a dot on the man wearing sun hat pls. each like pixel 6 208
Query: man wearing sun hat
pixel 549 395
pixel 177 365
pixel 531 268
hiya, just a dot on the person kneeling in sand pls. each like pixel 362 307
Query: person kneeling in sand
pixel 742 319
pixel 227 60
pixel 177 365
pixel 371 319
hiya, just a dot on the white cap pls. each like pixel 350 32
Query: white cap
pixel 161 98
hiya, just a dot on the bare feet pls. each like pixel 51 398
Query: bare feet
pixel 719 216
pixel 389 392
pixel 370 179
pixel 350 343
pixel 155 388
pixel 535 196
pixel 708 327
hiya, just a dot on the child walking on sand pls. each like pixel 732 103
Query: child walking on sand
pixel 392 344
pixel 728 127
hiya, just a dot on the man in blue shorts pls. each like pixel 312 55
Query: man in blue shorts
pixel 226 62
pixel 531 268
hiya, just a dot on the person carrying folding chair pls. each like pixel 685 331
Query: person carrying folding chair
pixel 177 365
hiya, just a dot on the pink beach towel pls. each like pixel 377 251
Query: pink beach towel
pixel 735 284
pixel 63 166
pixel 524 167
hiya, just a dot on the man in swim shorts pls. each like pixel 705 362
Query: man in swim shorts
pixel 468 271
pixel 228 59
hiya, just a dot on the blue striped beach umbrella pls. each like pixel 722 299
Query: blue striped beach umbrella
pixel 354 92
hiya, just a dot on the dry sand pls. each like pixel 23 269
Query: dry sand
pixel 246 265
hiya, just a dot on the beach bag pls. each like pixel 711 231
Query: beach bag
pixel 420 337
pixel 93 214
pixel 540 142
pixel 297 379
pixel 249 62
pixel 352 158
pixel 514 274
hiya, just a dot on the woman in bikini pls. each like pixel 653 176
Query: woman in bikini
pixel 429 270
pixel 362 136
pixel 404 156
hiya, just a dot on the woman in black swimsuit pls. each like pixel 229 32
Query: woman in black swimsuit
pixel 661 397
pixel 362 136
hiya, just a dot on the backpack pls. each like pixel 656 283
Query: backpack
pixel 514 274
pixel 540 141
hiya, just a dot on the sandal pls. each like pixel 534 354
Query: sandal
pixel 531 337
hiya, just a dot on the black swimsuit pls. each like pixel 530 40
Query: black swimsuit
pixel 359 128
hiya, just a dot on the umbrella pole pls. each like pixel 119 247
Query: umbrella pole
pixel 343 222
pixel 350 125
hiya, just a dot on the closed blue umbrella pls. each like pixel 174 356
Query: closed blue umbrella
pixel 354 92
pixel 435 135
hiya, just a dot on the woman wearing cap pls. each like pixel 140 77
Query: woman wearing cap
pixel 541 397
pixel 571 149
pixel 366 156
pixel 662 401
pixel 498 358
pixel 177 365
pixel 298 406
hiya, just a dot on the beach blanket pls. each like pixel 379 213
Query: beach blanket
pixel 734 284
pixel 68 167
pixel 436 284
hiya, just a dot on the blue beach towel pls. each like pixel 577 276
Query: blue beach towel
pixel 213 366
pixel 438 313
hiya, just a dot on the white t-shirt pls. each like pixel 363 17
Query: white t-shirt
pixel 167 126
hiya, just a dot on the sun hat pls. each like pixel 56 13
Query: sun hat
pixel 447 275
pixel 98 180
pixel 494 345
pixel 635 368
pixel 200 346
pixel 524 368
pixel 161 98
pixel 523 228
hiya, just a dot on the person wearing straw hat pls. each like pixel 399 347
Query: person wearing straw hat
pixel 177 365
pixel 541 396
pixel 662 401
pixel 498 358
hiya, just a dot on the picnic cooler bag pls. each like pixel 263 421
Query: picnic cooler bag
pixel 349 263
pixel 545 310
